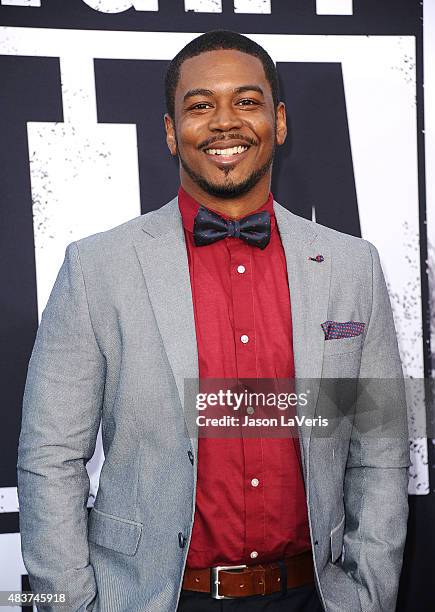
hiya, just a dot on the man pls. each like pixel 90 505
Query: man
pixel 220 283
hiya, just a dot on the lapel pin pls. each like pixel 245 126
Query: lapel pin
pixel 317 258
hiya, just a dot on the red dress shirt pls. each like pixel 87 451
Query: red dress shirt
pixel 250 499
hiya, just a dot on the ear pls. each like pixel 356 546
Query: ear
pixel 281 124
pixel 170 134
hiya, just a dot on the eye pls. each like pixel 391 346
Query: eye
pixel 247 102
pixel 200 106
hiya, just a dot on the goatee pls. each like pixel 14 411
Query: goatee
pixel 229 189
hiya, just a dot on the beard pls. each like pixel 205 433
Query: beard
pixel 228 189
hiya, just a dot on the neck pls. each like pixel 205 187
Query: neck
pixel 237 207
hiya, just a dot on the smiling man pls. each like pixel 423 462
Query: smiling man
pixel 220 283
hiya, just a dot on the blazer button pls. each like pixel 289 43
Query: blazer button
pixel 181 540
pixel 190 455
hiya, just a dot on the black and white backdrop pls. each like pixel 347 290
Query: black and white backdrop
pixel 82 149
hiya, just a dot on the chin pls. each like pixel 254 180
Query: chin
pixel 228 182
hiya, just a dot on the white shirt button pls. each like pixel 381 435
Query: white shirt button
pixel 244 338
pixel 254 554
pixel 250 410
pixel 241 269
pixel 255 482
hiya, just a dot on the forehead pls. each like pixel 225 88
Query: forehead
pixel 220 70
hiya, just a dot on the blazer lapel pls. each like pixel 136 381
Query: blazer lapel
pixel 162 254
pixel 309 283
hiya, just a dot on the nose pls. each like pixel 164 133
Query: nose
pixel 224 118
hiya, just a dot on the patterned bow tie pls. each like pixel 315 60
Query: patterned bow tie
pixel 210 227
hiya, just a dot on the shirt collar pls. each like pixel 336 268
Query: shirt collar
pixel 189 208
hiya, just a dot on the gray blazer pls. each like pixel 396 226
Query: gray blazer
pixel 116 342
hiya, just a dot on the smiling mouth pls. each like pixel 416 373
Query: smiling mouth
pixel 227 152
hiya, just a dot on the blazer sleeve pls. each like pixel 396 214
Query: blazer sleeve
pixel 376 478
pixel 60 419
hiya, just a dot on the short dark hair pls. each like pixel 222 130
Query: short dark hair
pixel 213 41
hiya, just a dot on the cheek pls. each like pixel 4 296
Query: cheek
pixel 190 132
pixel 269 133
pixel 265 132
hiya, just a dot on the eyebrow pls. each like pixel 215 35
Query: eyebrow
pixel 243 88
pixel 208 92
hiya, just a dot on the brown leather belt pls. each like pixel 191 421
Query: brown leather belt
pixel 243 580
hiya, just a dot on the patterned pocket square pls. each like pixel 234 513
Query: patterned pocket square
pixel 335 330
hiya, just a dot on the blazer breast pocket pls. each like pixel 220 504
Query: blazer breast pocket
pixel 340 346
pixel 114 532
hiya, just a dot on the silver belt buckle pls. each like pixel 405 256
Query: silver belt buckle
pixel 215 579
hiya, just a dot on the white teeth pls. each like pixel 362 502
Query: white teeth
pixel 232 151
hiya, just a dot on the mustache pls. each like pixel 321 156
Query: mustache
pixel 205 144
